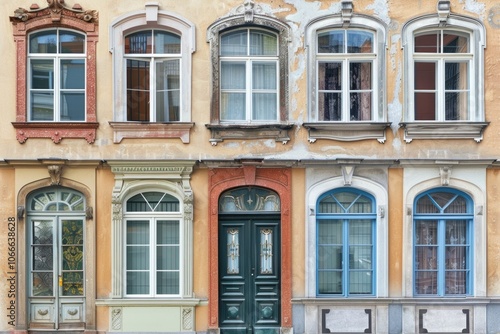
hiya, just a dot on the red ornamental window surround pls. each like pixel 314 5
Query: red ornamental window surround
pixel 56 15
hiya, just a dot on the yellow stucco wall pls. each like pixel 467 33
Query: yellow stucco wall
pixel 395 190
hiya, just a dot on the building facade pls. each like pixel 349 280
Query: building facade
pixel 247 166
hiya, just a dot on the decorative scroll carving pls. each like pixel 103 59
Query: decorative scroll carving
pixel 56 9
pixel 55 172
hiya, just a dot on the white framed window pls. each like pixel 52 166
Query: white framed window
pixel 57 76
pixel 153 61
pixel 444 65
pixel 249 76
pixel 346 78
pixel 152 71
pixel 152 242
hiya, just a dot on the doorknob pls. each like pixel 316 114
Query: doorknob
pixel 253 270
pixel 60 280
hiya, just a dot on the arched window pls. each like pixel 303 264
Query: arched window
pixel 152 245
pixel 249 199
pixel 345 227
pixel 443 243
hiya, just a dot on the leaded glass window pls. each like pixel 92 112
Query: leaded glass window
pixel 249 199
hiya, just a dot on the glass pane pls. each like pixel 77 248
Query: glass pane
pixel 360 282
pixel 72 284
pixel 138 283
pixel 359 42
pixel 426 205
pixel 249 199
pixel 266 251
pixel 264 75
pixel 139 42
pixel 137 90
pixel 456 76
pixel 360 257
pixel 457 91
pixel 234 43
pixel 454 43
pixel 263 43
pixel 43 258
pixel 443 199
pixel 330 282
pixel 42 106
pixel 456 106
pixel 426 282
pixel 72 232
pixel 330 257
pixel 330 76
pixel 329 232
pixel 166 42
pixel 329 204
pixel 233 75
pixel 425 106
pixel 71 42
pixel 42 74
pixel 360 106
pixel 456 257
pixel 72 74
pixel 329 106
pixel 43 284
pixel 167 232
pixel 43 42
pixel 72 258
pixel 167 283
pixel 72 108
pixel 456 282
pixel 457 205
pixel 167 91
pixel 138 232
pixel 264 106
pixel 233 251
pixel 426 257
pixel 425 76
pixel 137 257
pixel 426 232
pixel 360 232
pixel 427 43
pixel 167 258
pixel 233 106
pixel 331 42
pixel 43 232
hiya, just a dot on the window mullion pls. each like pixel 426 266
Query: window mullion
pixel 346 90
pixel 152 257
pixel 248 90
pixel 441 260
pixel 152 89
pixel 57 88
pixel 345 258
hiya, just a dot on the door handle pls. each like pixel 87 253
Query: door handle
pixel 252 272
pixel 60 281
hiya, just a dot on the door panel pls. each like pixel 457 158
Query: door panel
pixel 249 281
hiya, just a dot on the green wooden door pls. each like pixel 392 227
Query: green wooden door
pixel 249 274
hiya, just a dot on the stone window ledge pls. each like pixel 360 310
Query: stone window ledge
pixel 179 130
pixel 220 132
pixel 55 131
pixel 347 131
pixel 444 130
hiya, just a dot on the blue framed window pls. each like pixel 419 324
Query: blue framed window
pixel 346 243
pixel 442 243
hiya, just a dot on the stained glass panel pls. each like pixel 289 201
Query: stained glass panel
pixel 249 199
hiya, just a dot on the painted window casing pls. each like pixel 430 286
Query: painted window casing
pixel 346 237
pixel 346 78
pixel 443 243
pixel 273 121
pixel 152 240
pixel 444 78
pixel 78 120
pixel 136 113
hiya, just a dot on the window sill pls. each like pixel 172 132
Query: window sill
pixel 179 130
pixel 141 302
pixel 220 132
pixel 444 130
pixel 56 131
pixel 347 131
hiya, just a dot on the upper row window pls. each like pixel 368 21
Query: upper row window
pixel 56 76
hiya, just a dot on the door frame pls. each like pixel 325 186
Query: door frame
pixel 276 179
pixel 22 320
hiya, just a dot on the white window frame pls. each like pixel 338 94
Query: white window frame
pixel 249 60
pixel 56 58
pixel 152 218
pixel 151 18
pixel 347 130
pixel 440 128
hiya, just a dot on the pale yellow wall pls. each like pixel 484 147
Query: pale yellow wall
pixel 396 205
pixel 493 231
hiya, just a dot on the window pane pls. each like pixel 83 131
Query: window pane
pixel 425 106
pixel 138 283
pixel 458 205
pixel 427 43
pixel 330 106
pixel 166 42
pixel 72 106
pixel 72 283
pixel 426 282
pixel 72 74
pixel 330 76
pixel 263 43
pixel 139 42
pixel 233 75
pixel 360 282
pixel 454 43
pixel 329 94
pixel 264 106
pixel 329 232
pixel 330 282
pixel 42 74
pixel 457 91
pixel 167 91
pixel 359 42
pixel 167 283
pixel 426 205
pixel 167 258
pixel 456 232
pixel 360 75
pixel 360 232
pixel 234 43
pixel 167 232
pixel 426 257
pixel 137 257
pixel 71 42
pixel 42 232
pixel 331 42
pixel 43 258
pixel 264 75
pixel 425 76
pixel 42 106
pixel 43 42
pixel 43 284
pixel 426 232
pixel 137 90
pixel 360 257
pixel 456 282
pixel 233 106
pixel 138 232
